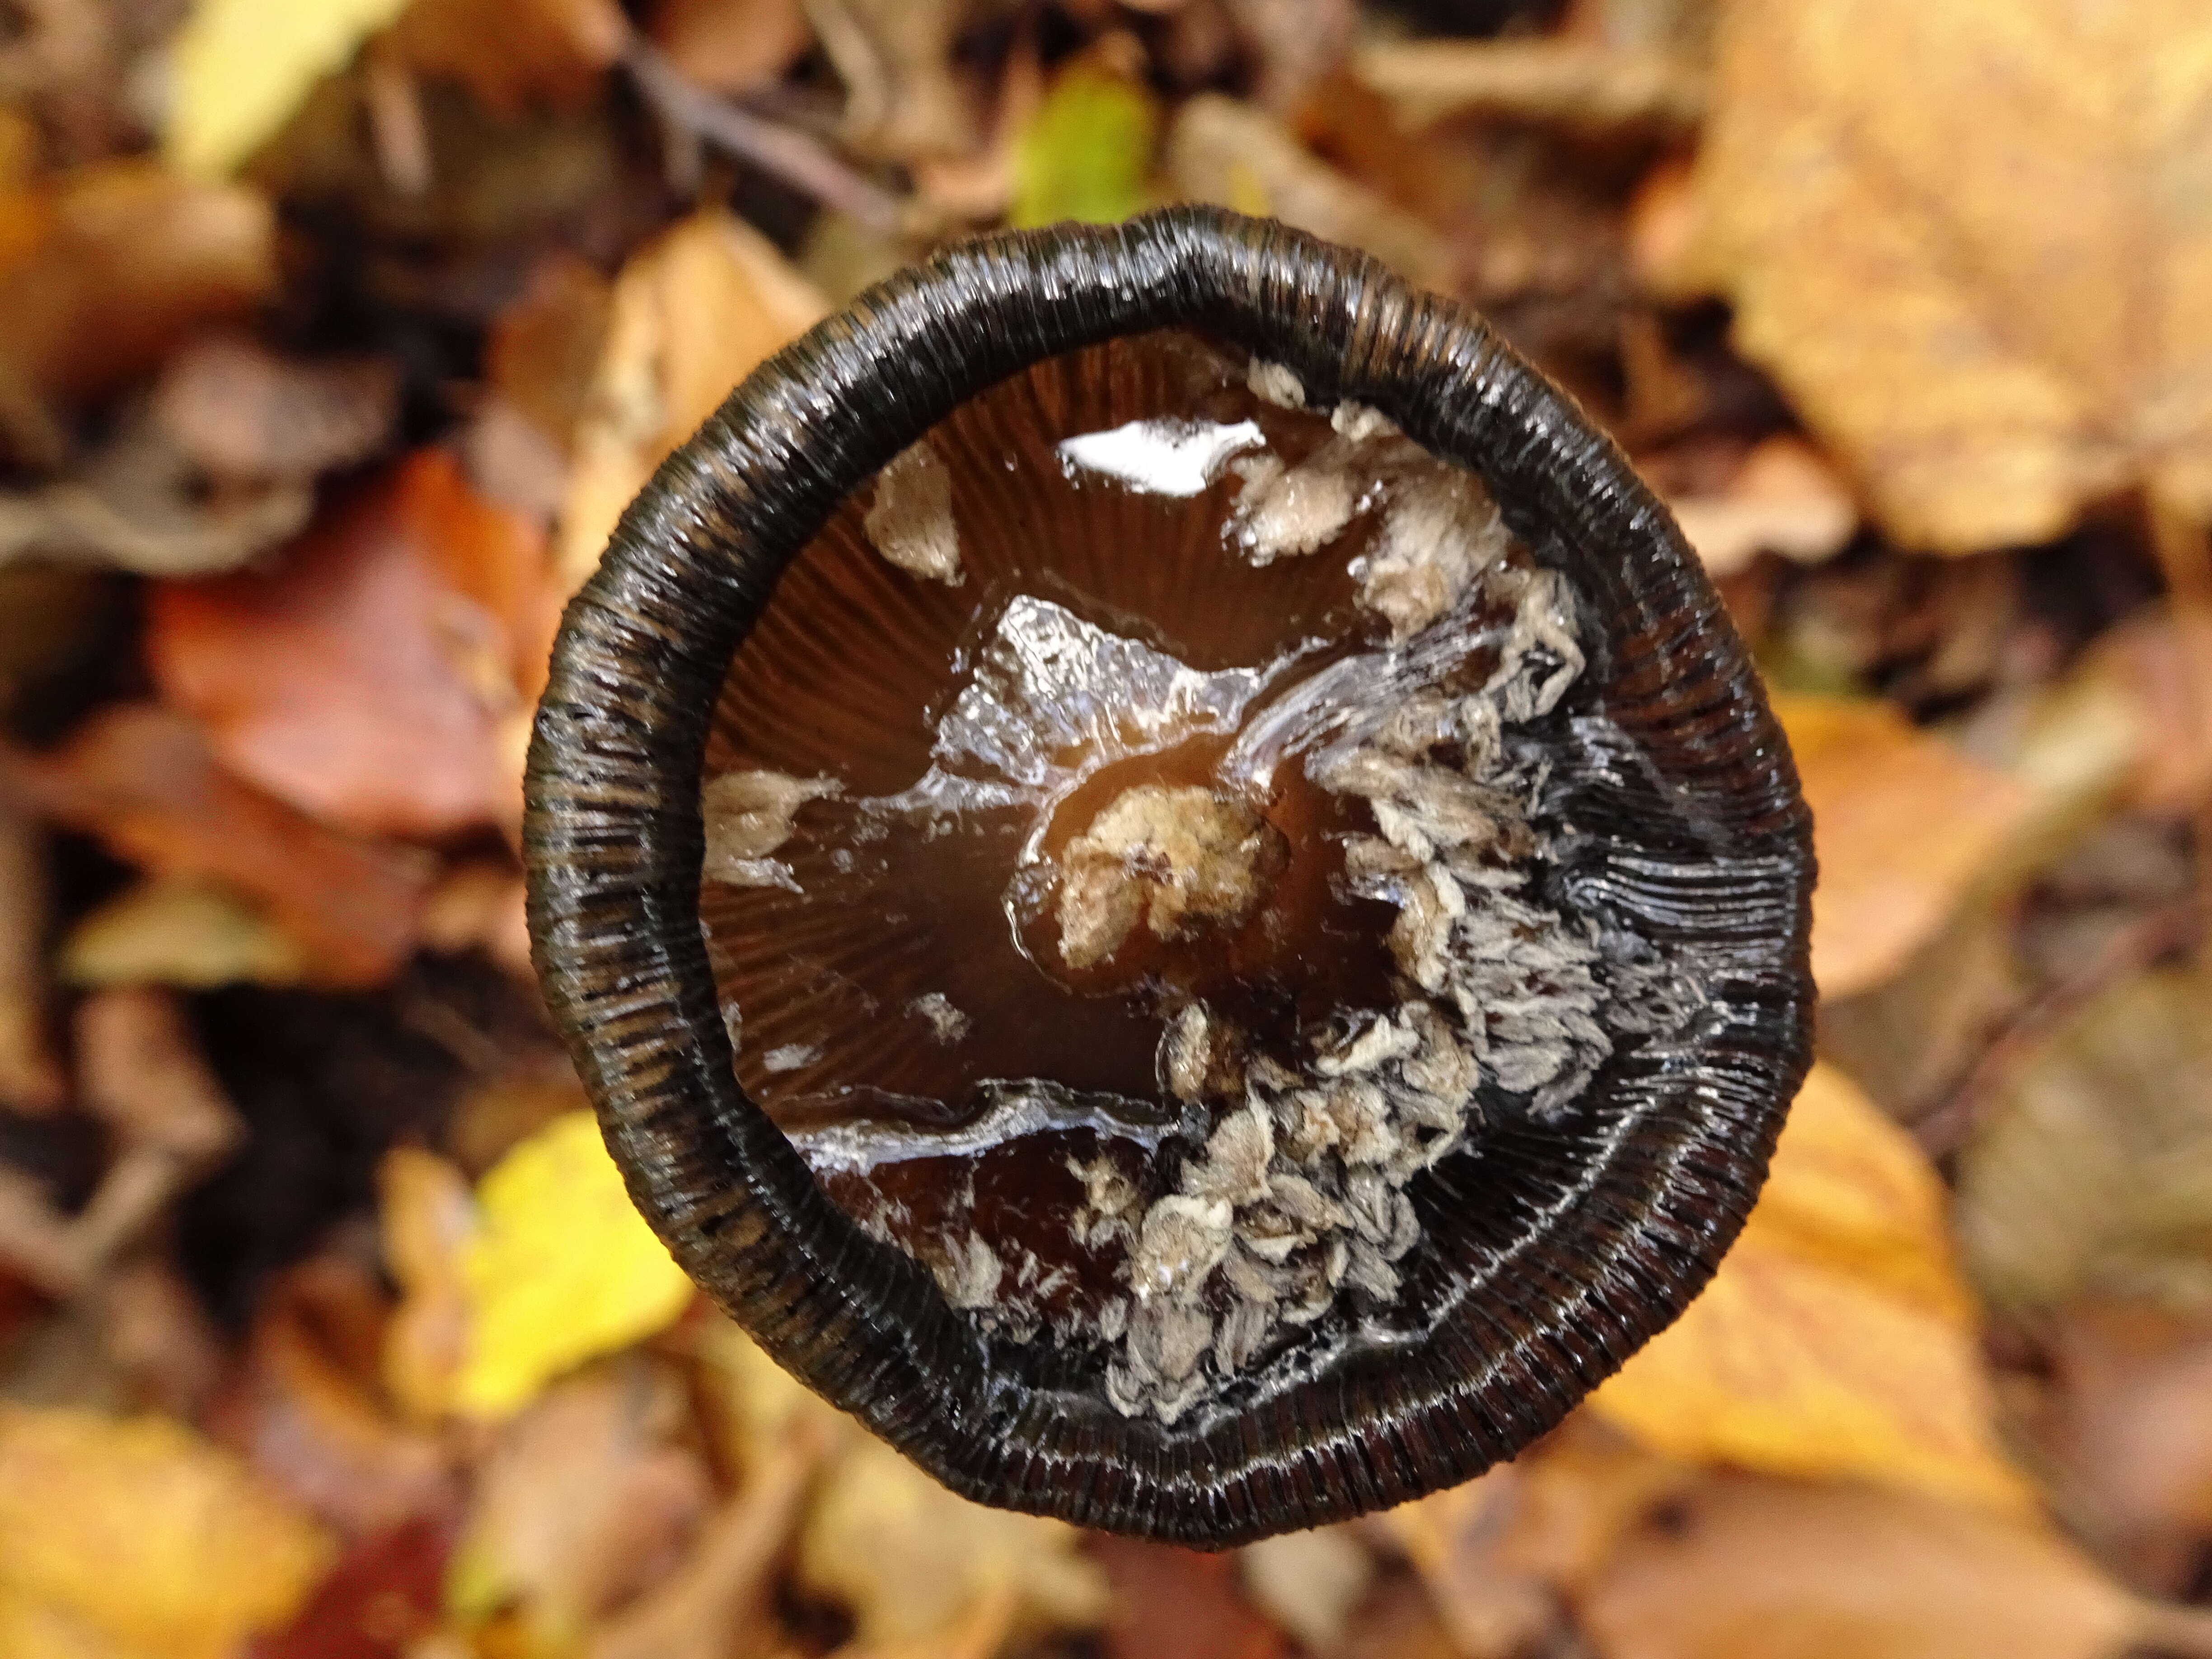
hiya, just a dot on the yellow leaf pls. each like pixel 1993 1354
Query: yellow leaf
pixel 1838 1339
pixel 562 1268
pixel 240 68
pixel 142 1534
pixel 1970 240
pixel 1903 824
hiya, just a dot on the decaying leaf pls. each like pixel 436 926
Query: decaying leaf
pixel 514 53
pixel 238 410
pixel 694 312
pixel 1904 825
pixel 1172 1603
pixel 137 503
pixel 1086 152
pixel 1220 151
pixel 195 935
pixel 2131 1435
pixel 1311 1582
pixel 560 1267
pixel 586 1501
pixel 306 1408
pixel 141 778
pixel 2091 1173
pixel 426 1218
pixel 1987 283
pixel 144 1537
pixel 913 1561
pixel 1783 499
pixel 378 679
pixel 105 269
pixel 1838 1339
pixel 30 1077
pixel 240 68
pixel 1748 1569
pixel 731 45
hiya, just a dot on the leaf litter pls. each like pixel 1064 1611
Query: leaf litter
pixel 336 338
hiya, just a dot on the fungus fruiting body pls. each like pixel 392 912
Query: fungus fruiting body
pixel 1169 881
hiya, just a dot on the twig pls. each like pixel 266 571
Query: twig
pixel 694 116
pixel 1553 81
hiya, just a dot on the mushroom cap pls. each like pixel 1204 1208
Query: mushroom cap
pixel 1570 1241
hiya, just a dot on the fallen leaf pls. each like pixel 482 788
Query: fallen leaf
pixel 103 269
pixel 1087 151
pixel 238 69
pixel 2131 1436
pixel 141 1532
pixel 141 778
pixel 562 1268
pixel 140 1071
pixel 137 503
pixel 1838 1339
pixel 731 47
pixel 2161 661
pixel 426 1216
pixel 1748 1569
pixel 695 1612
pixel 1497 1552
pixel 304 1407
pixel 2090 1173
pixel 584 1502
pixel 194 935
pixel 1903 824
pixel 902 100
pixel 1221 150
pixel 913 1561
pixel 1310 1582
pixel 238 410
pixel 373 680
pixel 1170 1603
pixel 1783 499
pixel 514 54
pixel 381 1598
pixel 694 312
pixel 544 347
pixel 1987 283
pixel 754 1407
pixel 30 1077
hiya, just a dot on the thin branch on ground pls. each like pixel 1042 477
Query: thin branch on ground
pixel 694 116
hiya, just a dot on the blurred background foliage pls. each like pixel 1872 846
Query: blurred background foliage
pixel 335 333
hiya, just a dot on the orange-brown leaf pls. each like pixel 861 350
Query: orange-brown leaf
pixel 373 679
pixel 141 779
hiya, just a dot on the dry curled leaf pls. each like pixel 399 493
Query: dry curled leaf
pixel 1783 499
pixel 144 1537
pixel 2091 1172
pixel 1746 1568
pixel 1904 824
pixel 731 45
pixel 1987 283
pixel 378 679
pixel 426 1218
pixel 141 778
pixel 1838 1339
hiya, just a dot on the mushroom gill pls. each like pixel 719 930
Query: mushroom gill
pixel 1129 867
